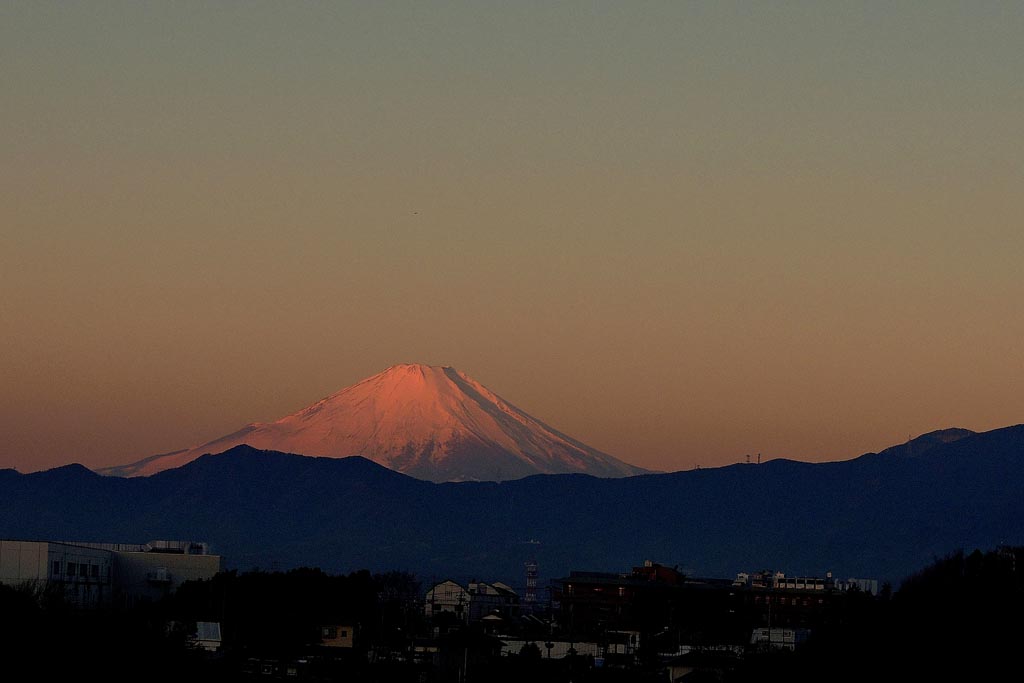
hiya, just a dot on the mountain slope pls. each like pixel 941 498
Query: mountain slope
pixel 433 423
pixel 925 442
pixel 874 516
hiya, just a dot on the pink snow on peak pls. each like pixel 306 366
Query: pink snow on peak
pixel 432 422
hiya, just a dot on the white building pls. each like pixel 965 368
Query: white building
pixel 100 574
pixel 778 580
pixel 82 575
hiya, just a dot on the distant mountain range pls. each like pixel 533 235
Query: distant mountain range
pixel 433 423
pixel 881 515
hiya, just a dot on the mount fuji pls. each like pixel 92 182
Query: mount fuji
pixel 429 422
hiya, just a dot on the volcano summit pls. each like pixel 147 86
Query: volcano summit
pixel 429 422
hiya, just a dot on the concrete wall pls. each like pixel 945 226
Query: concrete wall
pixel 22 561
pixel 152 575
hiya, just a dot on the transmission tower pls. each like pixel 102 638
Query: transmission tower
pixel 531 584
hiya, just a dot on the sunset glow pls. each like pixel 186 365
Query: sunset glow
pixel 680 233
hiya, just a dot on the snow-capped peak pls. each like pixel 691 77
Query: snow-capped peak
pixel 431 422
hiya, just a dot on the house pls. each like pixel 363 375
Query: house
pixel 473 603
pixel 447 597
pixel 208 635
pixel 337 635
pixel 492 599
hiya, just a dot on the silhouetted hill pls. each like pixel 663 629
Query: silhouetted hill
pixel 877 515
pixel 926 442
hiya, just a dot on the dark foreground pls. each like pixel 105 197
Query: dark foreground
pixel 959 618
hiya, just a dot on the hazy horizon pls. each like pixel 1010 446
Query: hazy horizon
pixel 677 233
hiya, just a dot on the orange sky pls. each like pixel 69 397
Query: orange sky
pixel 677 233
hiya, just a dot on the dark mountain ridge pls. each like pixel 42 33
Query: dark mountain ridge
pixel 879 515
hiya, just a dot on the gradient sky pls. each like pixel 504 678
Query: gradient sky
pixel 678 232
